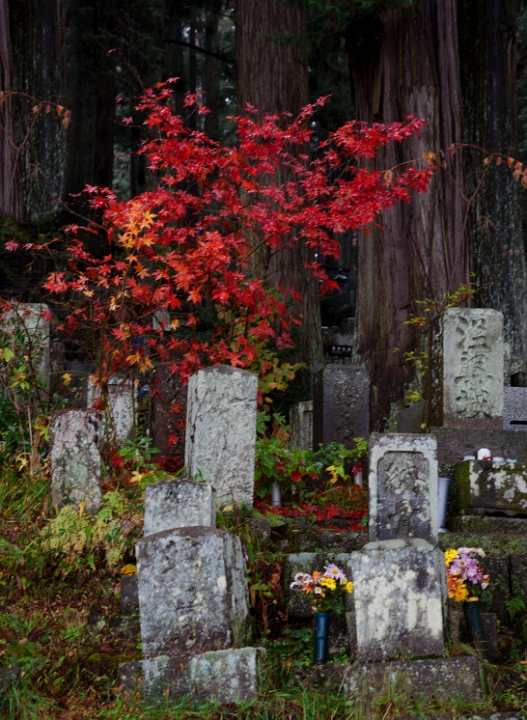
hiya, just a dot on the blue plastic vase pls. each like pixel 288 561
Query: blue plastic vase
pixel 320 655
pixel 473 620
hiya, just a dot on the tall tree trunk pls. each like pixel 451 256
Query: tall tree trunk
pixel 272 75
pixel 37 44
pixel 406 63
pixel 487 31
pixel 211 71
pixel 10 200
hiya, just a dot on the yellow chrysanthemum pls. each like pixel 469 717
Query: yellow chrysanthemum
pixel 450 555
pixel 461 593
pixel 329 583
pixel 349 587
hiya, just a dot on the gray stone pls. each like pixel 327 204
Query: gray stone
pixel 300 605
pixel 169 412
pixel 498 593
pixel 514 408
pixel 129 599
pixel 178 503
pixel 453 445
pixel 222 676
pixel 221 431
pixel 57 366
pixel 489 647
pixel 301 425
pixel 8 677
pixel 351 624
pixel 261 528
pixel 487 486
pixel 121 407
pixel 410 419
pixel 75 458
pixel 192 591
pixel 341 405
pixel 398 593
pixel 518 575
pixel 467 369
pixel 488 524
pixel 403 487
pixel 446 679
pixel 31 319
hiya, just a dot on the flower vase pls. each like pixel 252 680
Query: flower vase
pixel 320 655
pixel 473 620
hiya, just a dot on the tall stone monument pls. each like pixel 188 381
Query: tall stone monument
pixel 467 361
pixel 341 405
pixel 301 425
pixel 221 431
pixel 402 487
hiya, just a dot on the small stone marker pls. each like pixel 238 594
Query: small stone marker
pixel 403 487
pixel 222 676
pixel 398 599
pixel 192 592
pixel 122 405
pixel 221 431
pixel 31 319
pixel 168 426
pixel 467 369
pixel 75 458
pixel 178 503
pixel 341 405
pixel 487 486
pixel 515 408
pixel 301 425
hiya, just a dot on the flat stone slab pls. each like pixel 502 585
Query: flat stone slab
pixel 172 504
pixel 222 676
pixel 492 486
pixel 453 444
pixel 403 487
pixel 399 588
pixel 193 593
pixel 444 679
pixel 488 524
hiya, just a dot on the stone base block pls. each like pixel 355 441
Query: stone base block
pixel 453 444
pixel 487 524
pixel 178 504
pixel 222 676
pixel 444 679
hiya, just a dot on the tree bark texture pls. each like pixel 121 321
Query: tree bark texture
pixel 272 75
pixel 406 62
pixel 10 199
pixel 37 51
pixel 487 31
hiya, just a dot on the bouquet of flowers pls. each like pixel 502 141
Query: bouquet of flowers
pixel 465 576
pixel 327 588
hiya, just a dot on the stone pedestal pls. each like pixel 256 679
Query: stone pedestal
pixel 192 592
pixel 467 364
pixel 301 425
pixel 177 503
pixel 122 407
pixel 453 445
pixel 341 405
pixel 75 458
pixel 488 487
pixel 398 592
pixel 221 432
pixel 403 487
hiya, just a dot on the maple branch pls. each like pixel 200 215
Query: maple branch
pixel 218 56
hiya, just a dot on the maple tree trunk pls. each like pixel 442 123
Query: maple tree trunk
pixel 406 62
pixel 10 199
pixel 272 75
pixel 488 31
pixel 37 57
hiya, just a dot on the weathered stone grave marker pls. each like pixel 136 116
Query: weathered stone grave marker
pixel 221 431
pixel 403 487
pixel 178 503
pixel 122 406
pixel 33 320
pixel 341 405
pixel 75 458
pixel 467 369
pixel 301 425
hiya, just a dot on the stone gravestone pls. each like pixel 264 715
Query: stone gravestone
pixel 403 487
pixel 178 503
pixel 514 408
pixel 487 487
pixel 301 425
pixel 75 458
pixel 341 405
pixel 122 406
pixel 167 425
pixel 398 599
pixel 33 320
pixel 193 594
pixel 221 431
pixel 467 369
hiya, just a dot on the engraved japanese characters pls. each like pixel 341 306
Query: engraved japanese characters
pixel 341 405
